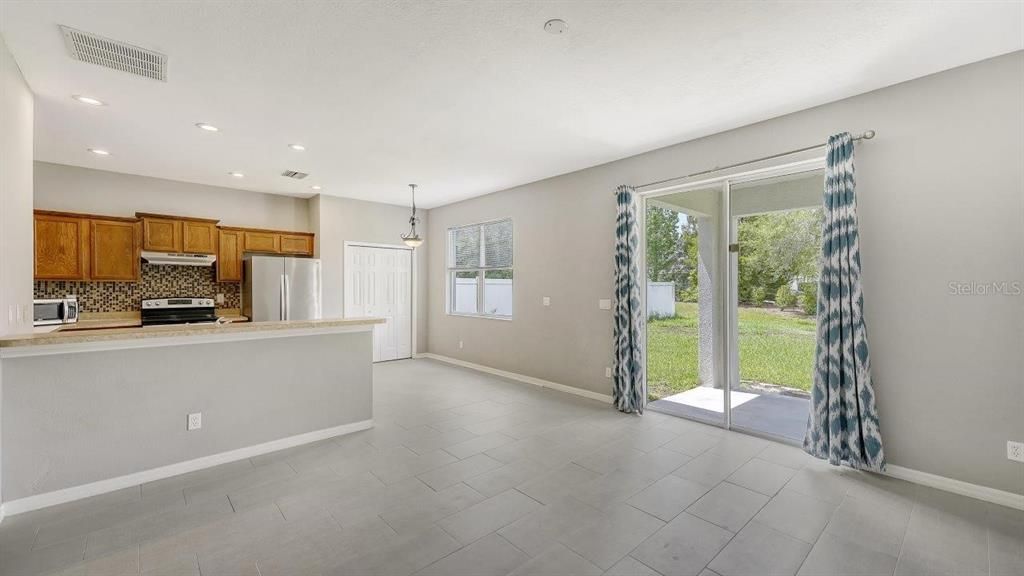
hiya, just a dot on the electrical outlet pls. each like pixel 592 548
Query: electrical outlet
pixel 546 300
pixel 607 372
pixel 460 344
pixel 1015 451
pixel 604 304
pixel 195 421
pixel 220 298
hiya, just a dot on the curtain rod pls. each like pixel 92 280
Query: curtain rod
pixel 867 135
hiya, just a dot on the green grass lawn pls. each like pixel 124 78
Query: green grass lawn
pixel 777 348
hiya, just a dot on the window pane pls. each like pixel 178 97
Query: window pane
pixel 498 244
pixel 498 292
pixel 464 292
pixel 465 249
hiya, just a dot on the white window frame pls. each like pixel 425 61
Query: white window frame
pixel 481 270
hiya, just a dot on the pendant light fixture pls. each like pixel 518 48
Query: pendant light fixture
pixel 412 239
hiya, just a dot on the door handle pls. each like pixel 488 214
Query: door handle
pixel 280 311
pixel 287 298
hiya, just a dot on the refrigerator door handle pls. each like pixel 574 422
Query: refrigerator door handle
pixel 287 298
pixel 282 309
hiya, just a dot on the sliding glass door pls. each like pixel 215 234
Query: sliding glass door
pixel 731 268
pixel 775 247
pixel 685 304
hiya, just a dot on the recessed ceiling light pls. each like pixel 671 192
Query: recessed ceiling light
pixel 556 26
pixel 298 147
pixel 88 100
pixel 207 127
pixel 99 151
pixel 315 186
pixel 236 174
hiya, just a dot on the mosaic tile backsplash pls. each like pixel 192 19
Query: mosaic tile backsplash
pixel 157 282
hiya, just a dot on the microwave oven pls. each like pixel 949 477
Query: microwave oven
pixel 55 311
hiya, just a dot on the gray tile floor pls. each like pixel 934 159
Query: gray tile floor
pixel 469 474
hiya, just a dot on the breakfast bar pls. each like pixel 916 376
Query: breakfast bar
pixel 91 411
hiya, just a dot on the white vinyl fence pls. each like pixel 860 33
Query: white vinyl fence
pixel 497 295
pixel 661 299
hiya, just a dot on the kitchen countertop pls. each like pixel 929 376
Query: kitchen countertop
pixel 105 320
pixel 136 336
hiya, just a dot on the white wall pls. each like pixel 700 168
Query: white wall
pixel 339 220
pixel 74 189
pixel 16 114
pixel 940 200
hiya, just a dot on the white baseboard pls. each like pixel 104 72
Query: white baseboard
pixel 63 495
pixel 976 491
pixel 519 377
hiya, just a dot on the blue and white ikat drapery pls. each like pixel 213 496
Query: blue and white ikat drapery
pixel 843 423
pixel 629 391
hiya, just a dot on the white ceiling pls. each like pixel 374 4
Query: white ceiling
pixel 463 98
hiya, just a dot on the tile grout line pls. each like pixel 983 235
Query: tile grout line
pixel 903 542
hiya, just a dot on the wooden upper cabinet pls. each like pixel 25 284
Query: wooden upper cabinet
pixel 60 247
pixel 199 237
pixel 229 255
pixel 262 241
pixel 113 250
pixel 161 234
pixel 297 244
pixel 71 246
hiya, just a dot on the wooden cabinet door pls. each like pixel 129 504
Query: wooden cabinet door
pixel 262 242
pixel 229 256
pixel 60 247
pixel 113 250
pixel 297 244
pixel 199 237
pixel 161 235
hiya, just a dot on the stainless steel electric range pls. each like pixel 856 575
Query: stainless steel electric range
pixel 168 311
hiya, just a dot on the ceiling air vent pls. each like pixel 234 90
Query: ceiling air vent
pixel 114 54
pixel 294 174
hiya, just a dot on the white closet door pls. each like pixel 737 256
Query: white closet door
pixel 402 312
pixel 378 282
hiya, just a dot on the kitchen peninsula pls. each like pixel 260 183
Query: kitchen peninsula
pixel 91 411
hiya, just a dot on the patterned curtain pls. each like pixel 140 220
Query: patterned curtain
pixel 843 422
pixel 630 391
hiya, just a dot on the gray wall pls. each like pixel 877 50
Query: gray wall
pixel 71 419
pixel 74 189
pixel 940 200
pixel 16 114
pixel 340 220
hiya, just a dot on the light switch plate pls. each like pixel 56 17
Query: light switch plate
pixel 604 304
pixel 1015 451
pixel 607 372
pixel 546 300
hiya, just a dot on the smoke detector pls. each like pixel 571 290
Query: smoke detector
pixel 556 26
pixel 115 54
pixel 294 174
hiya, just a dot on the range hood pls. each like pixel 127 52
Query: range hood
pixel 176 259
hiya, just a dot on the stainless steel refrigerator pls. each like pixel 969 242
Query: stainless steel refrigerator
pixel 280 288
